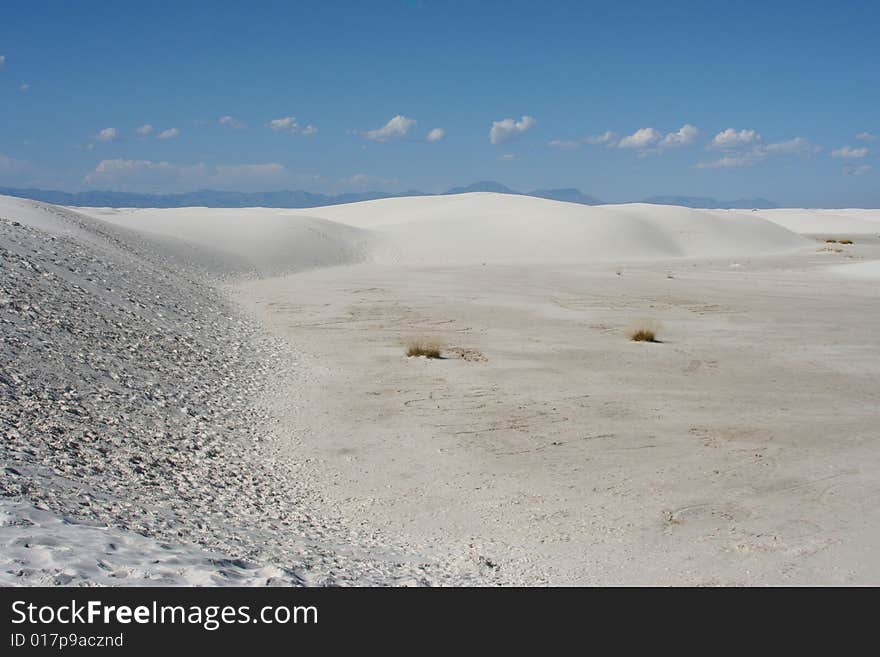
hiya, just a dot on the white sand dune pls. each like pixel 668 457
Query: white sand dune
pixel 825 222
pixel 487 227
pixel 136 445
pixel 156 431
pixel 461 229
pixel 266 240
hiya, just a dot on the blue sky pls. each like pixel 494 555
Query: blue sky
pixel 620 99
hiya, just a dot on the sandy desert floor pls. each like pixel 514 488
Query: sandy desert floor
pixel 742 449
pixel 225 394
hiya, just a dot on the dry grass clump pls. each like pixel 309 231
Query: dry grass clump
pixel 644 332
pixel 427 347
pixel 830 241
pixel 845 241
pixel 643 335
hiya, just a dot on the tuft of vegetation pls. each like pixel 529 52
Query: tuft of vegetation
pixel 830 241
pixel 645 331
pixel 845 241
pixel 424 347
pixel 643 334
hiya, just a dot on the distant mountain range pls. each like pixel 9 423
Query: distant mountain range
pixel 300 199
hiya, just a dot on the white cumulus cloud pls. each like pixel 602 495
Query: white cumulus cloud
pixel 749 156
pixel 284 124
pixel 685 136
pixel 230 122
pixel 170 133
pixel 396 128
pixel 796 146
pixel 848 153
pixel 108 134
pixel 2 61
pixel 646 141
pixel 640 139
pixel 505 129
pixel 435 135
pixel 731 138
pixel 290 126
pixel 866 136
pixel 144 130
pixel 649 141
pixel 608 138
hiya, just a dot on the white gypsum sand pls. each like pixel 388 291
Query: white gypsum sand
pixel 825 222
pixel 545 447
pixel 460 229
pixel 133 401
pixel 49 550
pixel 867 270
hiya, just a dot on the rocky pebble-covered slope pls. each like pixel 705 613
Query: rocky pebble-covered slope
pixel 133 422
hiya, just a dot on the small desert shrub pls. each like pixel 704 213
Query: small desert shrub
pixel 644 331
pixel 845 241
pixel 643 335
pixel 830 241
pixel 426 347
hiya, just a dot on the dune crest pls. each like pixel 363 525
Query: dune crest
pixel 487 227
pixel 466 229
